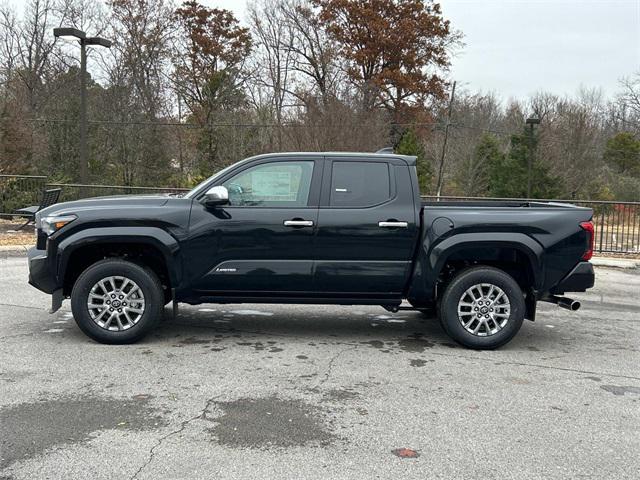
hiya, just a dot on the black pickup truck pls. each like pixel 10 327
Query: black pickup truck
pixel 312 228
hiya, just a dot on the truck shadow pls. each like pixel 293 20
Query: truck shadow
pixel 321 326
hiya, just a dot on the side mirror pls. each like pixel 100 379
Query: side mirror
pixel 216 196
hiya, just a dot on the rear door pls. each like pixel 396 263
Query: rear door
pixel 367 228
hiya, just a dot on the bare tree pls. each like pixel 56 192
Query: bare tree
pixel 273 57
pixel 629 102
pixel 315 52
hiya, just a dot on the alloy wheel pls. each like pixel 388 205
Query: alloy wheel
pixel 484 309
pixel 116 303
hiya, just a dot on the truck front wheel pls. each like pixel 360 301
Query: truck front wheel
pixel 115 301
pixel 482 308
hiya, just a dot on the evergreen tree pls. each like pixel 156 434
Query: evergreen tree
pixel 623 152
pixel 474 174
pixel 410 145
pixel 508 175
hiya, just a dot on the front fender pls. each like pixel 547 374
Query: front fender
pixel 152 236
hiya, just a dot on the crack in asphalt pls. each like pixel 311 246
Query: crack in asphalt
pixel 15 335
pixel 536 365
pixel 327 374
pixel 201 415
pixel 23 306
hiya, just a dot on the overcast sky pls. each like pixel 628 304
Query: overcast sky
pixel 517 47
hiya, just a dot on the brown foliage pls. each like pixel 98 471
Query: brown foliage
pixel 214 42
pixel 394 49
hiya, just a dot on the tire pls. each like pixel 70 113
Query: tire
pixel 496 316
pixel 140 301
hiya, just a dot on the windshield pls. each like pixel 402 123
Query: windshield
pixel 198 188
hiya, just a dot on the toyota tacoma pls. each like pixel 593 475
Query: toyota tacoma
pixel 312 228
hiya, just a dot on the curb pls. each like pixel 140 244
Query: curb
pixel 615 262
pixel 14 250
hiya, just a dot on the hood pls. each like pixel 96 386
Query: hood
pixel 107 203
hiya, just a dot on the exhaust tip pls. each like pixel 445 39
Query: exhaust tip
pixel 563 302
pixel 568 303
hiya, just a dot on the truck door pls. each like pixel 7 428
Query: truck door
pixel 261 243
pixel 367 228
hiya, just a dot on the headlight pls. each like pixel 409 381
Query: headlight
pixel 53 223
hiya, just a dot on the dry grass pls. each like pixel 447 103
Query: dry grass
pixel 18 239
pixel 10 237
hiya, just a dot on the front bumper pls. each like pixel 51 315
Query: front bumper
pixel 40 274
pixel 579 279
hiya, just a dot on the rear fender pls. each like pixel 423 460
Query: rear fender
pixel 432 258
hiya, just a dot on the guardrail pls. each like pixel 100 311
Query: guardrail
pixel 616 224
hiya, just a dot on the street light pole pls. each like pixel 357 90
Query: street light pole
pixel 531 121
pixel 83 171
pixel 74 33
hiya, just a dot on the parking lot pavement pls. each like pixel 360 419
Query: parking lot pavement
pixel 268 391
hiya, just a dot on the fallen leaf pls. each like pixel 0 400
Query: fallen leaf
pixel 405 453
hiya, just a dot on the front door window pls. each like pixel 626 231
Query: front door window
pixel 276 184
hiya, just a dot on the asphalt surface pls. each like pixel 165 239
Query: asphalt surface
pixel 306 392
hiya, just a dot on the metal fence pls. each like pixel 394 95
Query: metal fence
pixel 76 191
pixel 617 224
pixel 18 191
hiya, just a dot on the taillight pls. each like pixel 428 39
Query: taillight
pixel 588 227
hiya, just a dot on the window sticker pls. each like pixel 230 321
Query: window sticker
pixel 272 184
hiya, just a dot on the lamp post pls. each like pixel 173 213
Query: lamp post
pixel 74 33
pixel 531 121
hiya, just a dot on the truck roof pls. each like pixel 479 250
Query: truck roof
pixel 410 160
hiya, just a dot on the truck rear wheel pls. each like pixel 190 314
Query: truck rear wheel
pixel 115 301
pixel 482 308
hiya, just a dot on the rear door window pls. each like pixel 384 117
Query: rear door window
pixel 359 184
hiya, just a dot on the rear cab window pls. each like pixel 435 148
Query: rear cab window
pixel 359 184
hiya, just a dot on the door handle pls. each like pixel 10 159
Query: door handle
pixel 393 224
pixel 298 223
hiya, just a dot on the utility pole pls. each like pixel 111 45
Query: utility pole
pixel 531 121
pixel 444 143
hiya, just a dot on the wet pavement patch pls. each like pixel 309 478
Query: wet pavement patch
pixel 340 395
pixel 194 341
pixel 29 429
pixel 270 422
pixel 415 344
pixel 621 389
